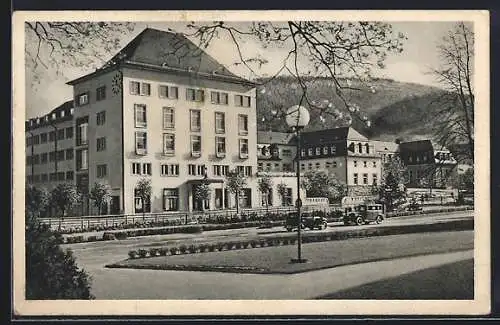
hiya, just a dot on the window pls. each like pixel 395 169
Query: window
pixel 170 92
pixel 44 177
pixel 53 177
pixel 246 198
pixel 52 136
pixel 70 175
pixel 36 159
pixel 196 145
pixel 195 95
pixel 375 179
pixel 170 170
pixel 43 138
pixel 325 150
pixel 101 118
pixel 170 199
pixel 360 148
pixel 334 164
pixel 221 170
pixel 243 148
pixel 82 126
pixel 260 167
pixel 52 156
pixel 60 134
pixel 69 132
pixel 365 179
pixel 136 168
pixel 140 88
pixel 168 143
pixel 101 144
pixel 303 152
pixel 302 166
pixel 242 124
pixel 286 152
pixel 60 176
pixel 248 171
pixel 168 118
pixel 60 155
pixel 135 88
pixel 318 151
pixel 195 120
pixel 418 159
pixel 69 154
pixel 101 93
pixel 220 122
pixel 36 139
pixel 220 146
pixel 140 115
pixel 219 98
pixel 82 159
pixel 196 169
pixel 82 99
pixel 102 171
pixel 43 158
pixel 365 164
pixel 425 158
pixel 318 165
pixel 287 167
pixel 410 158
pixel 243 101
pixel 355 163
pixel 310 166
pixel 141 143
pixel 367 148
pixel 146 169
pixel 356 178
pixel 374 164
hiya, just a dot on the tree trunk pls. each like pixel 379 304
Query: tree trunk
pixel 237 203
pixel 267 205
pixel 143 210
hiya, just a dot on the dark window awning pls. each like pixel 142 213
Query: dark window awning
pixel 205 180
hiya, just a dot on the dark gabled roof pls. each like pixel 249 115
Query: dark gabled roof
pixel 41 120
pixel 329 135
pixel 382 146
pixel 275 137
pixel 413 146
pixel 169 51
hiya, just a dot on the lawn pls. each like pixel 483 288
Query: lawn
pixel 450 281
pixel 320 255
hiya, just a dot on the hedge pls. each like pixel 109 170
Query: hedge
pixel 454 225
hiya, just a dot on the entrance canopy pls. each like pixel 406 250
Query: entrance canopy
pixel 204 180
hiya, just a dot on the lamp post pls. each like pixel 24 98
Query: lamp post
pixel 297 117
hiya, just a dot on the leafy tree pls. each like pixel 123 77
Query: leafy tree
pixel 236 181
pixel 202 193
pixel 393 182
pixel 143 190
pixel 467 180
pixel 36 200
pixel 330 49
pixel 100 194
pixel 64 197
pixel 52 273
pixel 321 183
pixel 283 192
pixel 265 186
pixel 455 73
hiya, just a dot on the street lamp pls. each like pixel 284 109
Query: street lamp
pixel 297 117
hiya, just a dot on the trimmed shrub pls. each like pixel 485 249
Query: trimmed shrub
pixel 154 252
pixel 285 241
pixel 270 242
pixel 173 250
pixel 132 254
pixel 143 253
pixel 192 248
pixel 230 245
pixel 246 244
pixel 108 236
pixel 262 243
pixel 211 247
pixel 121 235
pixel 253 243
pixel 237 245
pixel 183 249
pixel 91 238
pixel 162 251
pixel 203 248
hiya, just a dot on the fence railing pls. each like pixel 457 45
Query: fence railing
pixel 80 223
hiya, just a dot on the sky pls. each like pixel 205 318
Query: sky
pixel 419 55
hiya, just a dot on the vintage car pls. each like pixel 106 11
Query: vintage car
pixel 364 214
pixel 308 221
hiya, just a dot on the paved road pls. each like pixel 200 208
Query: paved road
pixel 149 284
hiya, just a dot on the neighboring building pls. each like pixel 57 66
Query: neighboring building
pixel 427 166
pixel 387 150
pixel 344 152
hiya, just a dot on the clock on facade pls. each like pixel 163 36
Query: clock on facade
pixel 116 84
